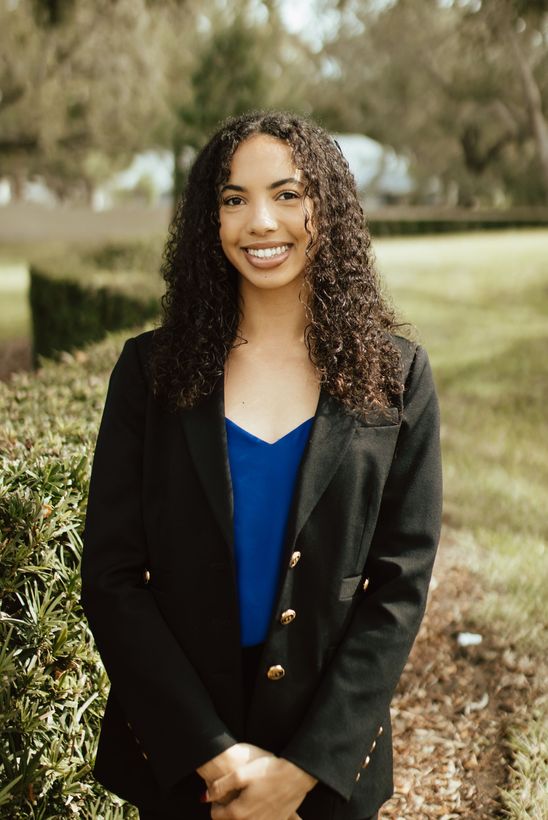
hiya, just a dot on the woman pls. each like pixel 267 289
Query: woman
pixel 265 499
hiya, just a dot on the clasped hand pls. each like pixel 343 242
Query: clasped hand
pixel 248 783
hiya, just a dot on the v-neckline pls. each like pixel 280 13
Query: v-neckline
pixel 269 443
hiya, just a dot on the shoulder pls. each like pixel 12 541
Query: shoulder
pixel 414 357
pixel 407 350
pixel 406 347
pixel 143 343
pixel 417 378
pixel 136 352
pixel 130 372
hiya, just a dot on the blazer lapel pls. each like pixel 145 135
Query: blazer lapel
pixel 204 426
pixel 205 431
pixel 330 437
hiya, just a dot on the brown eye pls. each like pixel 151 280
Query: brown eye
pixel 233 200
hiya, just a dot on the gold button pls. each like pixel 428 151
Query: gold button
pixel 288 616
pixel 372 749
pixel 275 672
pixel 365 584
pixel 146 576
pixel 366 762
pixel 381 730
pixel 295 558
pixel 358 777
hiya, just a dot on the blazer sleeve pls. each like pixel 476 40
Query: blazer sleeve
pixel 164 700
pixel 344 718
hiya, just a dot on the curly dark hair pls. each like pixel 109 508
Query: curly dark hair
pixel 348 334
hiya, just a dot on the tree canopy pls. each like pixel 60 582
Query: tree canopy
pixel 460 87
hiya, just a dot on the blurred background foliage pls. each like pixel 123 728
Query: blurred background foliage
pixel 459 87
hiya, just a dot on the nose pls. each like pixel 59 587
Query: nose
pixel 261 218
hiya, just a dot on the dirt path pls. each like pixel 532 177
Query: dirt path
pixel 452 708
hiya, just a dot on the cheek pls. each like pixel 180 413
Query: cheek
pixel 224 232
pixel 230 227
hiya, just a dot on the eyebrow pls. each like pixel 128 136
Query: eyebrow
pixel 271 187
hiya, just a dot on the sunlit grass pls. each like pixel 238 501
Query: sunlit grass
pixel 526 798
pixel 480 306
pixel 14 305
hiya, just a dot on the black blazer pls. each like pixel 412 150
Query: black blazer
pixel 159 591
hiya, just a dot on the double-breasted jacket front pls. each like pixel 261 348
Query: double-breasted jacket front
pixel 159 590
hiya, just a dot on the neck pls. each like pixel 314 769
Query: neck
pixel 273 316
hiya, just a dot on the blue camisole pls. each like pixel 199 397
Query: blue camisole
pixel 263 480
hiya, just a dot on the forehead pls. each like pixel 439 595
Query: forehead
pixel 263 157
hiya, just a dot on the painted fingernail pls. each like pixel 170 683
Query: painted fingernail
pixel 204 797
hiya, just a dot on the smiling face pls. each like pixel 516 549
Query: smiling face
pixel 262 214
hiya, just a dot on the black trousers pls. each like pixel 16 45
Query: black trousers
pixel 171 809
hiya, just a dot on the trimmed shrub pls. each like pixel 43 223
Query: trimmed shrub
pixel 423 220
pixel 144 255
pixel 53 685
pixel 76 298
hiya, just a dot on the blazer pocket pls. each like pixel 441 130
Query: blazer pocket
pixel 348 587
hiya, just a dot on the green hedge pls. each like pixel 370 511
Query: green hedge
pixel 52 684
pixel 76 298
pixel 424 220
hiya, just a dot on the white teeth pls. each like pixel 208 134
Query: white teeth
pixel 266 253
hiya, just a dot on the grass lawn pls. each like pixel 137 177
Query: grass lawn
pixel 14 306
pixel 480 306
pixel 15 258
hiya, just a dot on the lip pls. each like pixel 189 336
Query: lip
pixel 261 246
pixel 266 263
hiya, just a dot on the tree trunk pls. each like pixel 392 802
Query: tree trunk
pixel 533 100
pixel 17 182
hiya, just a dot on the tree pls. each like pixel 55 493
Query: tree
pixel 83 86
pixel 458 87
pixel 519 24
pixel 245 61
pixel 76 78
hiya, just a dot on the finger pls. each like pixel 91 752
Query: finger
pixel 220 788
pixel 228 798
pixel 221 811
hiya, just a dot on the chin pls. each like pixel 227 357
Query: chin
pixel 270 280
